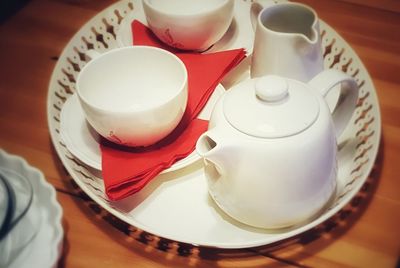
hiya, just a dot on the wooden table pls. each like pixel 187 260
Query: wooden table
pixel 368 232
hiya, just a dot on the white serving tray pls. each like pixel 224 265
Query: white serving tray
pixel 176 205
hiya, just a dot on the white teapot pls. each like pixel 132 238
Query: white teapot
pixel 270 150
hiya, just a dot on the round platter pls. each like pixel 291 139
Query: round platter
pixel 176 205
pixel 45 248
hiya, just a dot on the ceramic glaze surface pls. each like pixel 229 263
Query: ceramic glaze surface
pixel 186 7
pixel 189 25
pixel 43 220
pixel 283 108
pixel 286 42
pixel 134 102
pixel 273 183
pixel 280 179
pixel 24 224
pixel 131 84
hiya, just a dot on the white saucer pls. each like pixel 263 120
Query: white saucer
pixel 83 141
pixel 239 35
pixel 45 249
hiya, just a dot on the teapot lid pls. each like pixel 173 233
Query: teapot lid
pixel 271 107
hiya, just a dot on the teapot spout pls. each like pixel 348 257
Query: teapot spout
pixel 211 151
pixel 206 146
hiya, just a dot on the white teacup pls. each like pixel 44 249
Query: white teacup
pixel 133 96
pixel 189 24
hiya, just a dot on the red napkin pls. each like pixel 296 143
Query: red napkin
pixel 127 170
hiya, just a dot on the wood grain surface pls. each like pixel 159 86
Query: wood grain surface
pixel 366 233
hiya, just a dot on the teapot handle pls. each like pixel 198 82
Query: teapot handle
pixel 325 82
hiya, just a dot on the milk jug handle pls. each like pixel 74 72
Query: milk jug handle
pixel 346 104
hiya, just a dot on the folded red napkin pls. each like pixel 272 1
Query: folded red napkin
pixel 127 170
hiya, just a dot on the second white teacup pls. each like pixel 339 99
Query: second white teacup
pixel 133 96
pixel 189 24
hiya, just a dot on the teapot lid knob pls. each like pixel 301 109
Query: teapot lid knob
pixel 271 88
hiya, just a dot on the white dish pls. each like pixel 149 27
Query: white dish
pixel 83 141
pixel 180 198
pixel 239 35
pixel 44 250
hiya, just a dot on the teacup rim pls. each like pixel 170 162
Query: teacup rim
pixel 183 86
pixel 189 15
